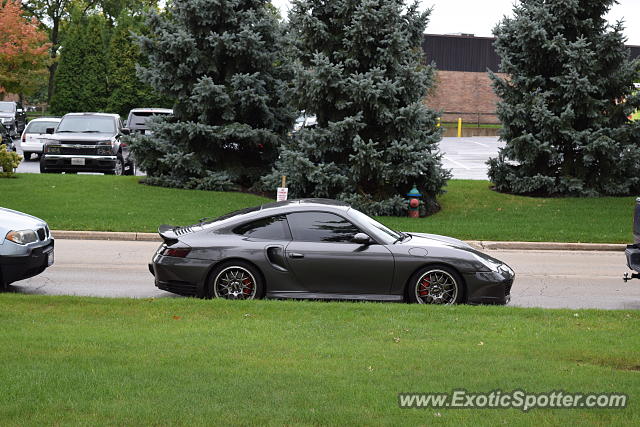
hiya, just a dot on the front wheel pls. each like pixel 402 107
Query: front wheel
pixel 236 280
pixel 436 285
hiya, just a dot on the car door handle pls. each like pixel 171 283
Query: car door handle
pixel 295 255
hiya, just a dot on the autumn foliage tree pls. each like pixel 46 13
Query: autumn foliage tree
pixel 24 50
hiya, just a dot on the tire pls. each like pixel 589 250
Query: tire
pixel 241 279
pixel 43 169
pixel 119 167
pixel 435 284
pixel 26 155
pixel 131 170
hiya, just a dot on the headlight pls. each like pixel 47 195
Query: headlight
pixel 497 267
pixel 22 237
pixel 53 149
pixel 104 148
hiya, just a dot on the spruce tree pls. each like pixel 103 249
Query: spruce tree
pixel 362 72
pixel 565 101
pixel 81 79
pixel 222 61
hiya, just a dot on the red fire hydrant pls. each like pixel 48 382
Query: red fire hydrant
pixel 414 202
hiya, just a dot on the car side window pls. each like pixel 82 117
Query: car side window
pixel 270 228
pixel 321 227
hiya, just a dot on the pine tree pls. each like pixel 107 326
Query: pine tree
pixel 223 63
pixel 363 74
pixel 565 102
pixel 81 79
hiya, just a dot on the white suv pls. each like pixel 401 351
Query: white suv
pixel 26 246
pixel 34 133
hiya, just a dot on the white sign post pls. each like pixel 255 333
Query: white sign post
pixel 282 192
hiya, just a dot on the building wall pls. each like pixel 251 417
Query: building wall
pixel 468 95
pixel 464 89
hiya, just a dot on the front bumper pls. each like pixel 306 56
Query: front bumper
pixel 91 163
pixel 489 287
pixel 633 257
pixel 22 267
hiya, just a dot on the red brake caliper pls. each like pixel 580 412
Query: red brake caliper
pixel 424 287
pixel 248 286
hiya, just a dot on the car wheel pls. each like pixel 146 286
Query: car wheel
pixel 26 155
pixel 130 169
pixel 435 284
pixel 43 169
pixel 236 280
pixel 119 167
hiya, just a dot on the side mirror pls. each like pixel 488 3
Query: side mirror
pixel 50 131
pixel 361 239
pixel 125 131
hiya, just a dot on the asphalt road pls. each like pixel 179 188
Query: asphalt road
pixel 465 157
pixel 549 279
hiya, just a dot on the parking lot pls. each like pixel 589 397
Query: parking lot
pixel 466 157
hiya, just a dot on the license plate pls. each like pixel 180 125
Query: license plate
pixel 77 161
pixel 50 259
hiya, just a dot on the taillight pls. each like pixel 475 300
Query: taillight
pixel 176 252
pixel 24 137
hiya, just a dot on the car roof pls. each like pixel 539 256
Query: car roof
pixel 306 203
pixel 94 114
pixel 46 119
pixel 151 110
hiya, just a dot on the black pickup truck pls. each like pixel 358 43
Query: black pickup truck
pixel 87 142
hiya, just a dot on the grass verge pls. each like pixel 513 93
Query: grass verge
pixel 69 360
pixel 470 209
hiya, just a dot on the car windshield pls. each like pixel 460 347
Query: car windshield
pixel 7 107
pixel 139 119
pixel 381 231
pixel 230 215
pixel 87 124
pixel 40 127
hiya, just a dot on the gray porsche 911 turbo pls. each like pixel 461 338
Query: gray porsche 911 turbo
pixel 322 249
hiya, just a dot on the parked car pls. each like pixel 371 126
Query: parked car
pixel 87 142
pixel 34 133
pixel 323 249
pixel 26 246
pixel 633 251
pixel 137 120
pixel 6 139
pixel 13 116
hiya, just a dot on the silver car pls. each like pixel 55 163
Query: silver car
pixel 26 246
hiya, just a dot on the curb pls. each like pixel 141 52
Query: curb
pixel 106 235
pixel 478 244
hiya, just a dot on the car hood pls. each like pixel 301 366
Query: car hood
pixel 426 239
pixel 14 220
pixel 81 137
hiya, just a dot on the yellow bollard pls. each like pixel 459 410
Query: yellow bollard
pixel 459 127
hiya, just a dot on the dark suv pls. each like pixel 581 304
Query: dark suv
pixel 87 142
pixel 13 117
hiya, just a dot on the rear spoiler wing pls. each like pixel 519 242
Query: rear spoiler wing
pixel 168 234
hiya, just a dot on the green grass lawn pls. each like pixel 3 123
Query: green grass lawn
pixel 91 361
pixel 470 210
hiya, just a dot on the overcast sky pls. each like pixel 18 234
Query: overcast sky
pixel 480 16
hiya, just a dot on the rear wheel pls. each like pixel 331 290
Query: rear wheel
pixel 26 155
pixel 436 284
pixel 236 280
